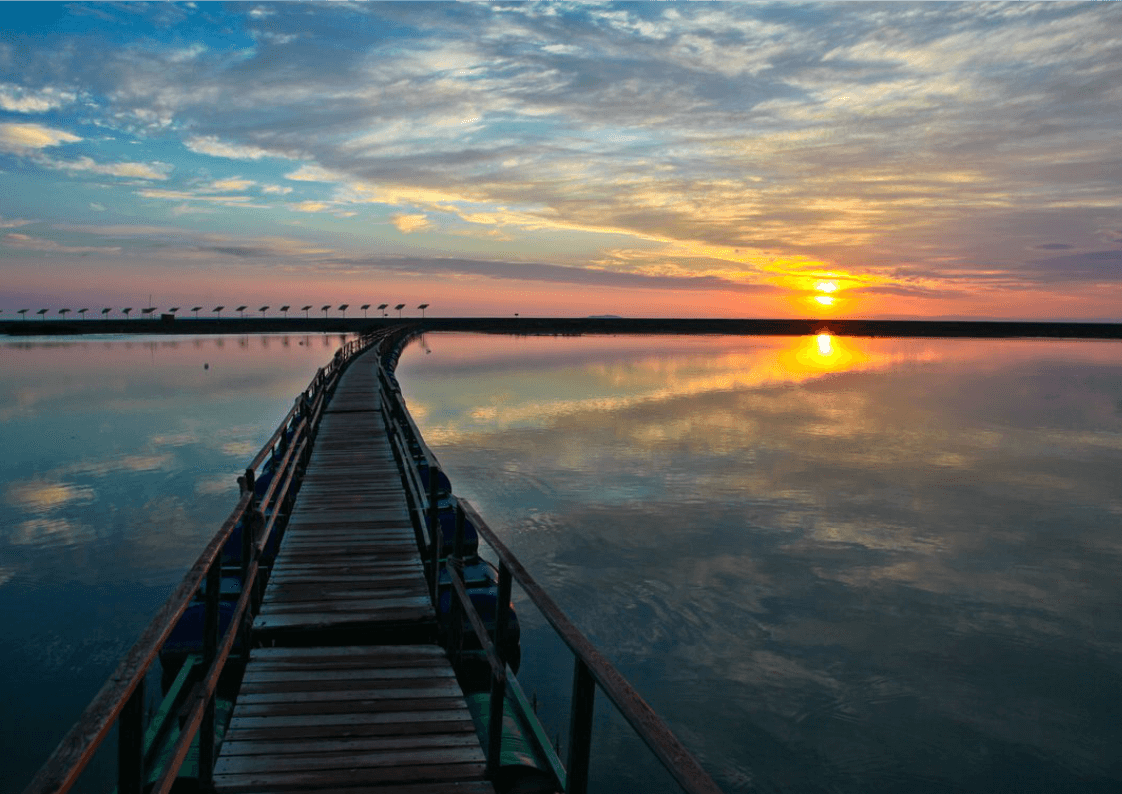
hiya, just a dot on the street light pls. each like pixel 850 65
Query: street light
pixel 218 310
pixel 126 311
pixel 382 308
pixel 148 310
pixel 173 310
pixel 263 309
pixel 105 312
pixel 422 307
pixel 64 312
pixel 241 310
pixel 364 307
pixel 343 309
pixel 399 307
pixel 324 310
pixel 23 312
pixel 305 310
pixel 285 310
pixel 196 310
pixel 83 313
pixel 43 313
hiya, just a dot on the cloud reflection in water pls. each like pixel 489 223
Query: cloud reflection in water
pixel 839 564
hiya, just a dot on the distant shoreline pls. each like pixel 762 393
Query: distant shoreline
pixel 547 326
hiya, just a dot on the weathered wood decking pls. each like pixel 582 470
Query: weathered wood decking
pixel 349 569
pixel 350 691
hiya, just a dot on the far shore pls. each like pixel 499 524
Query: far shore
pixel 546 326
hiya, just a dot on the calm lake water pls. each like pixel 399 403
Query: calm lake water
pixel 831 564
pixel 840 565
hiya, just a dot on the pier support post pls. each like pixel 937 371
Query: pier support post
pixel 130 743
pixel 580 728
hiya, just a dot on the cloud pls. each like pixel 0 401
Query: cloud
pixel 410 223
pixel 1093 266
pixel 156 171
pixel 183 195
pixel 27 138
pixel 18 99
pixel 542 272
pixel 311 206
pixel 13 223
pixel 941 142
pixel 25 242
pixel 314 173
pixel 223 185
pixel 212 146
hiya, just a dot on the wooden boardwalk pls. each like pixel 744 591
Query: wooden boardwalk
pixel 351 691
pixel 349 569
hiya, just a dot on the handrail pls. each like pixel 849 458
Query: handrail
pixel 673 755
pixel 121 697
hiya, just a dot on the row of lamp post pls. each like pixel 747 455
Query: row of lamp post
pixel 149 310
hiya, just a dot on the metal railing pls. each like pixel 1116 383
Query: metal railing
pixel 590 670
pixel 121 699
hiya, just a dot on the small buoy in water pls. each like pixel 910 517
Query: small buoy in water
pixel 206 365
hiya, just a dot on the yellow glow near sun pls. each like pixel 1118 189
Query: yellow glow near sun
pixel 825 345
pixel 825 300
pixel 826 286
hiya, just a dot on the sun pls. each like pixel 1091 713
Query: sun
pixel 826 290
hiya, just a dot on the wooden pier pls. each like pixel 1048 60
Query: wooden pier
pixel 350 688
pixel 327 648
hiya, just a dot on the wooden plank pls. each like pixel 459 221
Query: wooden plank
pixel 356 693
pixel 348 721
pixel 365 653
pixel 332 748
pixel 351 762
pixel 436 773
pixel 441 787
pixel 387 728
pixel 370 705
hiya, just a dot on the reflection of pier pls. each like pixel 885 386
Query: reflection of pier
pixel 316 645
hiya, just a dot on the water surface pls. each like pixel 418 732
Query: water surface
pixel 831 564
pixel 120 463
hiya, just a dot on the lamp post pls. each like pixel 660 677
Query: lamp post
pixel 218 310
pixel 173 310
pixel 105 312
pixel 324 310
pixel 83 313
pixel 284 310
pixel 343 309
pixel 422 307
pixel 382 308
pixel 305 310
pixel 263 309
pixel 196 310
pixel 364 307
pixel 148 310
pixel 22 312
pixel 43 313
pixel 241 310
pixel 125 311
pixel 64 312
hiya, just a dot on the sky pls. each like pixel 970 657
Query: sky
pixel 640 159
